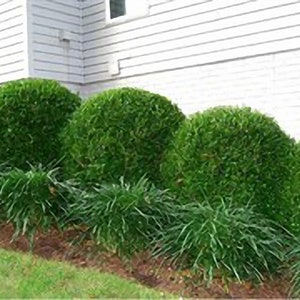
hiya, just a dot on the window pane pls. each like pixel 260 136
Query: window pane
pixel 117 8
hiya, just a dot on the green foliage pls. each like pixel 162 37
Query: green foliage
pixel 33 200
pixel 32 113
pixel 120 133
pixel 294 260
pixel 222 241
pixel 121 217
pixel 230 152
pixel 291 194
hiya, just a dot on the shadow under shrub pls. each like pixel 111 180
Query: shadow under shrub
pixel 34 200
pixel 223 241
pixel 231 152
pixel 120 133
pixel 32 114
pixel 121 217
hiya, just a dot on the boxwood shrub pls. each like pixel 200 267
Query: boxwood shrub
pixel 120 133
pixel 230 152
pixel 291 194
pixel 32 113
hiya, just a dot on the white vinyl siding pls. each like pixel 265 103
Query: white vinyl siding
pixel 179 34
pixel 269 83
pixel 56 41
pixel 199 53
pixel 12 44
pixel 202 53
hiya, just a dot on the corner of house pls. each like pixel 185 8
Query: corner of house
pixel 28 54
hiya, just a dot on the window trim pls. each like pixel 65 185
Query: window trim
pixel 126 17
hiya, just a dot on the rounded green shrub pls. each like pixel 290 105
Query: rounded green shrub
pixel 291 194
pixel 120 133
pixel 32 114
pixel 230 152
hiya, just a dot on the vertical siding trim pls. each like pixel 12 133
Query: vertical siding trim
pixel 28 51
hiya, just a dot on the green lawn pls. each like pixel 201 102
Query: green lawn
pixel 26 276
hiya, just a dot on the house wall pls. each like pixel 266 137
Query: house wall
pixel 56 41
pixel 201 54
pixel 12 40
pixel 269 83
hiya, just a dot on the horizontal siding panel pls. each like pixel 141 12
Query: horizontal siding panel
pixel 54 13
pixel 193 26
pixel 11 40
pixel 61 76
pixel 202 13
pixel 52 57
pixel 12 74
pixel 15 30
pixel 93 9
pixel 62 67
pixel 55 24
pixel 15 58
pixel 92 20
pixel 166 6
pixel 12 50
pixel 158 22
pixel 90 3
pixel 66 3
pixel 236 27
pixel 12 21
pixel 238 36
pixel 58 7
pixel 58 59
pixel 12 67
pixel 250 50
pixel 10 7
pixel 180 34
pixel 56 50
pixel 255 40
pixel 53 40
pixel 157 2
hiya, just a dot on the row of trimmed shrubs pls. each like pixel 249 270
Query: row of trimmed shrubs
pixel 232 175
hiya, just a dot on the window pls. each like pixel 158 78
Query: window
pixel 126 9
pixel 117 8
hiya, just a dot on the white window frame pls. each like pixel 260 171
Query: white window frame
pixel 144 11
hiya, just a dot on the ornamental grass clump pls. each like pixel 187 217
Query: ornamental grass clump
pixel 120 133
pixel 32 114
pixel 123 218
pixel 231 152
pixel 222 241
pixel 294 262
pixel 34 200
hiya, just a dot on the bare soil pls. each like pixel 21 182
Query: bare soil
pixel 144 269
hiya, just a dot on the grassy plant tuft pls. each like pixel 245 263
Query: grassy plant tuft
pixel 33 200
pixel 223 241
pixel 123 217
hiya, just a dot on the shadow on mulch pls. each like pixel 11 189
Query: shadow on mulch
pixel 148 271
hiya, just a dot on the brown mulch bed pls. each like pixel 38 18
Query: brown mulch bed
pixel 148 271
